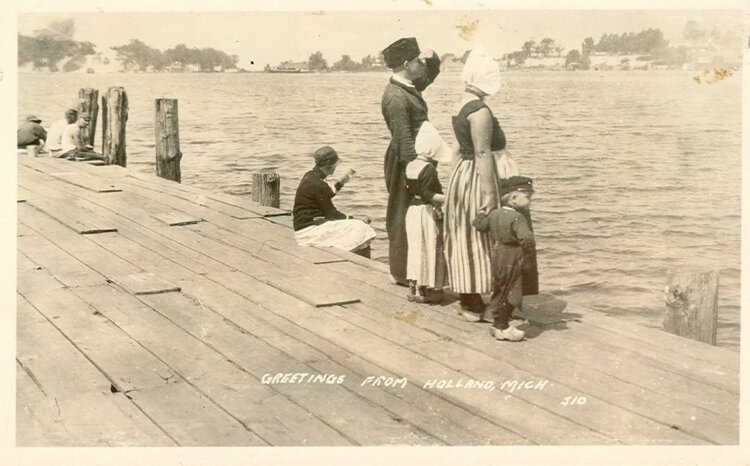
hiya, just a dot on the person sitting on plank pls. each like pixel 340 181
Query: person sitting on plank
pixel 317 222
pixel 73 145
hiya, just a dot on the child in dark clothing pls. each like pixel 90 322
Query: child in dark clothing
pixel 510 235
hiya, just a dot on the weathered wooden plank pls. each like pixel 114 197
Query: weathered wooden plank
pixel 22 194
pixel 101 260
pixel 85 408
pixel 132 223
pixel 85 181
pixel 247 208
pixel 454 424
pixel 611 368
pixel 89 420
pixel 600 334
pixel 34 426
pixel 255 234
pixel 173 219
pixel 620 378
pixel 130 368
pixel 195 203
pixel 237 390
pixel 516 414
pixel 362 421
pixel 154 241
pixel 639 417
pixel 637 335
pixel 548 366
pixel 191 419
pixel 304 284
pixel 66 268
pixel 125 364
pixel 145 283
pixel 73 216
pixel 57 367
pixel 283 220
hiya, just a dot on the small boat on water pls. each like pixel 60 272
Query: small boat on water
pixel 289 69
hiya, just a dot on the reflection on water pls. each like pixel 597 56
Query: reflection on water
pixel 636 173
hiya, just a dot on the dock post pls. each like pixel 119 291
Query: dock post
pixel 88 103
pixel 266 187
pixel 692 300
pixel 115 109
pixel 167 133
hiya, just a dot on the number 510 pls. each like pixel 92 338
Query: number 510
pixel 573 400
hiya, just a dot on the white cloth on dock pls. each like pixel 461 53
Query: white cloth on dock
pixel 349 235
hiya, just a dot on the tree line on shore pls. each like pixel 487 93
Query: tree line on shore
pixel 649 43
pixel 55 48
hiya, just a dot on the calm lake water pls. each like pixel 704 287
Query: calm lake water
pixel 636 173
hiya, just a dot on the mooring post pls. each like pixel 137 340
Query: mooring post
pixel 692 300
pixel 115 110
pixel 88 102
pixel 167 133
pixel 266 186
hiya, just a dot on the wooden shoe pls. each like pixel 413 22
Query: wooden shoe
pixel 510 334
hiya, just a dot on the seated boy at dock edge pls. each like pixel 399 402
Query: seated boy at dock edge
pixel 510 235
pixel 73 145
pixel 317 222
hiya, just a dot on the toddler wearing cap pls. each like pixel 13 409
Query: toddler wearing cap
pixel 510 235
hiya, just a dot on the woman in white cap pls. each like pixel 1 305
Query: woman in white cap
pixel 473 186
pixel 425 269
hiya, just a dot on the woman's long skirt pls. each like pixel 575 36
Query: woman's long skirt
pixel 467 250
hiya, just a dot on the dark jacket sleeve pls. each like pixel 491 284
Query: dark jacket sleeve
pixel 429 182
pixel 523 232
pixel 397 112
pixel 323 197
pixel 482 221
pixel 40 132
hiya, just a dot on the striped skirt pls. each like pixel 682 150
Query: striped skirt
pixel 425 260
pixel 467 251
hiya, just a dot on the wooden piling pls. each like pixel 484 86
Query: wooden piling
pixel 167 133
pixel 266 187
pixel 88 103
pixel 692 300
pixel 115 109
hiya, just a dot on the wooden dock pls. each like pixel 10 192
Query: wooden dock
pixel 152 313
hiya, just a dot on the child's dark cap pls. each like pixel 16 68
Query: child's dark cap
pixel 516 183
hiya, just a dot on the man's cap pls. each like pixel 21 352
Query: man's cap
pixel 326 155
pixel 34 118
pixel 516 183
pixel 402 50
pixel 71 111
pixel 85 116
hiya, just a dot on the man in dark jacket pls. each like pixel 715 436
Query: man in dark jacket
pixel 404 111
pixel 31 133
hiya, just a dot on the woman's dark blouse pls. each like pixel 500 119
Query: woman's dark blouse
pixel 462 128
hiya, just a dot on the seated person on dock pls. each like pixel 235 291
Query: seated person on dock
pixel 56 131
pixel 73 145
pixel 316 221
pixel 31 133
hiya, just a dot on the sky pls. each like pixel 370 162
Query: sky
pixel 266 37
